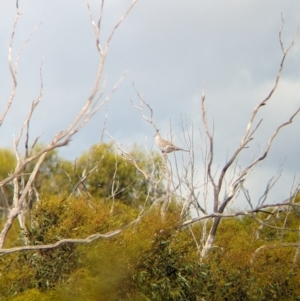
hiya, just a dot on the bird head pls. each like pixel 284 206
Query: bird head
pixel 156 133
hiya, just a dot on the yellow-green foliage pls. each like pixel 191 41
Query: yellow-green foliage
pixel 60 216
pixel 55 218
pixel 7 165
pixel 35 295
pixel 239 275
pixel 109 264
pixel 55 175
pixel 151 260
pixel 115 175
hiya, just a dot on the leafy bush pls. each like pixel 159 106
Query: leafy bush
pixel 152 260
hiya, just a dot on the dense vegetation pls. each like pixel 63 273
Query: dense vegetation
pixel 154 259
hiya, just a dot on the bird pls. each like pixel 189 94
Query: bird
pixel 166 146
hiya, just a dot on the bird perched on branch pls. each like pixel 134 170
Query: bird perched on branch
pixel 166 146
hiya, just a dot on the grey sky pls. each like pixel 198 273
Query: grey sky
pixel 170 49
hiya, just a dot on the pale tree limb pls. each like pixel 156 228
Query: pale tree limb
pixel 167 165
pixel 236 183
pixel 271 183
pixel 86 240
pixel 185 183
pixel 148 174
pixel 261 201
pixel 17 189
pixel 261 209
pixel 297 253
pixel 114 186
pixel 152 178
pixel 243 174
pixel 140 108
pixel 14 66
pixel 273 246
pixel 167 200
pixel 64 137
pixel 210 151
pixel 85 173
pixel 198 245
pixel 128 157
pixel 18 203
pixel 87 170
pixel 247 134
pixel 92 105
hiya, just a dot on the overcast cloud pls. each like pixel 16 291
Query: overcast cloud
pixel 170 48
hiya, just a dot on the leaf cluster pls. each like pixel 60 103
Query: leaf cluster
pixel 152 260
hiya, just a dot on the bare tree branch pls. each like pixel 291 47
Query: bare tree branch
pixel 273 246
pixel 13 67
pixel 93 104
pixel 239 213
pixel 86 240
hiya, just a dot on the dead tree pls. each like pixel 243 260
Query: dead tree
pixel 216 182
pixel 94 102
pixel 221 186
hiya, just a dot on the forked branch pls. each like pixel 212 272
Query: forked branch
pixel 92 105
